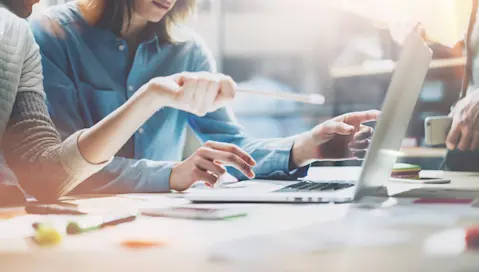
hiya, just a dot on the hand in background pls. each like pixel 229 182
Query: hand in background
pixel 340 138
pixel 464 133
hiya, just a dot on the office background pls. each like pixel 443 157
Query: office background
pixel 309 47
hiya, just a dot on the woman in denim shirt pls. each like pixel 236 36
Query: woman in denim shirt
pixel 46 167
pixel 97 54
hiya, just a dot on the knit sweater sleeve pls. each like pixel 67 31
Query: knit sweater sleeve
pixel 45 167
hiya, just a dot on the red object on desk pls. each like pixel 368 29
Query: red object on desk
pixel 443 201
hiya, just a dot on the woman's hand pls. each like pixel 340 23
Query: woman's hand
pixel 207 164
pixel 340 138
pixel 197 93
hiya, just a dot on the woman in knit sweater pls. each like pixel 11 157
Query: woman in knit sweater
pixel 46 167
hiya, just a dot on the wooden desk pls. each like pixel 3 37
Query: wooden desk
pixel 188 242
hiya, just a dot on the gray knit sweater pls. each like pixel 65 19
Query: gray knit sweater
pixel 45 167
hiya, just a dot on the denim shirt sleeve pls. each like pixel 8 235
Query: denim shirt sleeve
pixel 121 175
pixel 272 155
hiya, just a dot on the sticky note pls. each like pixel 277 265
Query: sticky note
pixel 139 244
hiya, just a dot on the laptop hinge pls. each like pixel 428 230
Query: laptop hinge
pixel 379 192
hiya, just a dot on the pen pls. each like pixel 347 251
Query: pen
pixel 74 228
pixel 51 209
pixel 308 99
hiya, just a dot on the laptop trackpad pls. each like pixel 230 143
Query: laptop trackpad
pixel 249 185
pixel 256 186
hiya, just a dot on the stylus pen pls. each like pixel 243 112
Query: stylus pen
pixel 316 99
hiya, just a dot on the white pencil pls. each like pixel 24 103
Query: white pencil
pixel 316 99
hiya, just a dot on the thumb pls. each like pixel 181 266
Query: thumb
pixel 164 83
pixel 342 129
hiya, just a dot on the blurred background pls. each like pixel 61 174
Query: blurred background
pixel 341 49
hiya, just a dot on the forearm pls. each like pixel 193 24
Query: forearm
pixel 124 175
pixel 45 167
pixel 273 158
pixel 303 151
pixel 102 141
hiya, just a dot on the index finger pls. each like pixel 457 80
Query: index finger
pixel 228 158
pixel 361 116
pixel 232 149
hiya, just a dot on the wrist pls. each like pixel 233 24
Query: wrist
pixel 303 151
pixel 149 99
pixel 173 177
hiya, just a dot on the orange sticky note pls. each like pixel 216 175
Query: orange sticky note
pixel 139 244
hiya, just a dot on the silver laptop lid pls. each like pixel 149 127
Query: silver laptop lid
pixel 397 109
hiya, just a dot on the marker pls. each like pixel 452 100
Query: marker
pixel 472 238
pixel 52 209
pixel 46 235
pixel 73 227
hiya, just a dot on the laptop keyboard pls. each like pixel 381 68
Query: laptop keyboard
pixel 314 186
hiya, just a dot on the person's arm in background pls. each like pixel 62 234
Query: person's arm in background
pixel 46 167
pixel 340 138
pixel 463 138
pixel 271 155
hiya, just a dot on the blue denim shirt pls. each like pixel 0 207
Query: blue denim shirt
pixel 88 75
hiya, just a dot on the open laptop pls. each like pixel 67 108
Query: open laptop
pixel 397 109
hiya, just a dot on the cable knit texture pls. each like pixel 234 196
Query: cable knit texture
pixel 45 167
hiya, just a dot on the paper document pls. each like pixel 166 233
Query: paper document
pixel 308 239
